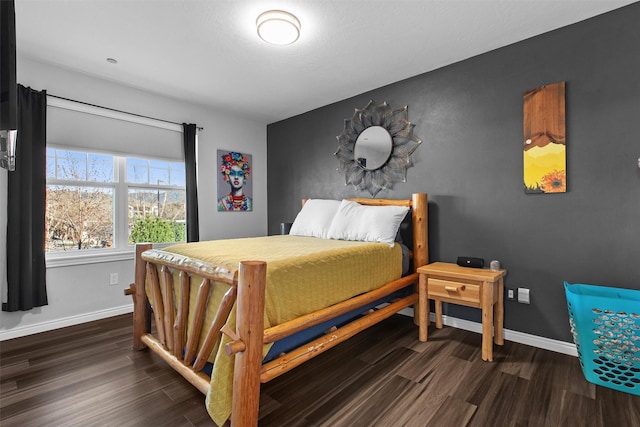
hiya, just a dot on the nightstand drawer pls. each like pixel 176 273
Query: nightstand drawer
pixel 438 288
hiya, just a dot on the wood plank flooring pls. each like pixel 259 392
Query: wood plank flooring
pixel 87 375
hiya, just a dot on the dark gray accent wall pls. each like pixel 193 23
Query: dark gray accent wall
pixel 469 116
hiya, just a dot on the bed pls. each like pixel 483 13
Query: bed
pixel 226 315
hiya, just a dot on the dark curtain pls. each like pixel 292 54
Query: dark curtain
pixel 189 135
pixel 26 268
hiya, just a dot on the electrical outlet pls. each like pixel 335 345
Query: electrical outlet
pixel 510 294
pixel 113 279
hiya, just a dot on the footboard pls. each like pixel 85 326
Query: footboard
pixel 171 341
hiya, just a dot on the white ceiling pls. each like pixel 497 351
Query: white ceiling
pixel 207 51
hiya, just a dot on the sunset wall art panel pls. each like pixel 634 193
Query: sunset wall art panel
pixel 545 155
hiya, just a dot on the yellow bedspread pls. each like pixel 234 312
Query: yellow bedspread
pixel 304 274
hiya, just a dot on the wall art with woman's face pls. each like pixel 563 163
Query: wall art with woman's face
pixel 235 189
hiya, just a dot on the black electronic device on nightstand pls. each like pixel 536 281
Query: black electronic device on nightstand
pixel 465 261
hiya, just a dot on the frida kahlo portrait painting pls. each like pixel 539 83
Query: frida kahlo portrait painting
pixel 234 184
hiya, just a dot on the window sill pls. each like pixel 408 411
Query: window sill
pixel 64 260
pixel 56 260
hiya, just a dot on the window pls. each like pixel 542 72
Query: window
pixel 99 202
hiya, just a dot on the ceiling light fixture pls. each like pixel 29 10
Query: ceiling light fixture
pixel 278 27
pixel 112 61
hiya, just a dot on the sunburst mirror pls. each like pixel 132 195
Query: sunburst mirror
pixel 375 147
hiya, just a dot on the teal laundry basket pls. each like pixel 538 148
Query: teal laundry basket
pixel 605 323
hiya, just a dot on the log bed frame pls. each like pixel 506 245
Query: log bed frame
pixel 247 291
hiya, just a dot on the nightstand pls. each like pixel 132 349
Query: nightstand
pixel 473 287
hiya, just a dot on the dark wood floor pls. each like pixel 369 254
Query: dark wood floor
pixel 87 375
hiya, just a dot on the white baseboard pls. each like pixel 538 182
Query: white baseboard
pixel 22 331
pixel 509 335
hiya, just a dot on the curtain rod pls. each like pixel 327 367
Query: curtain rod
pixel 118 111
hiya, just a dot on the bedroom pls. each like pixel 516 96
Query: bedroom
pixel 469 115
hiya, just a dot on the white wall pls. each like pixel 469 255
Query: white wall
pixel 82 293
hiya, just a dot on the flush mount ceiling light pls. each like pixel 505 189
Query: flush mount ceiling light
pixel 278 27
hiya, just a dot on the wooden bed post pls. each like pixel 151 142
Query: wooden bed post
pixel 140 305
pixel 419 213
pixel 250 329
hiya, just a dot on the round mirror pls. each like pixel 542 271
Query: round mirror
pixel 372 148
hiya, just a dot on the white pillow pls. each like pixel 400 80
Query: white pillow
pixel 315 218
pixel 354 221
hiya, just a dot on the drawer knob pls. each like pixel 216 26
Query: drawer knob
pixel 454 288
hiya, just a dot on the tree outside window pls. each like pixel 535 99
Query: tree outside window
pixel 88 194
